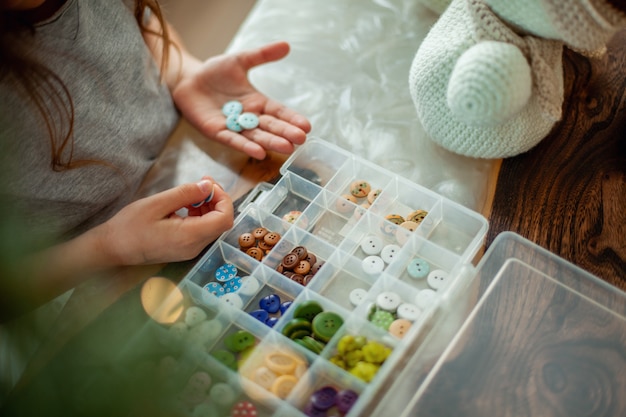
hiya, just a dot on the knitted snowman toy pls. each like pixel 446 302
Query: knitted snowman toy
pixel 487 81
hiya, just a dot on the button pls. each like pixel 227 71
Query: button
pixel 389 253
pixel 399 328
pixel 418 268
pixel 285 306
pixel 297 278
pixel 357 296
pixel 408 311
pixel 194 315
pixel 233 285
pixel 315 268
pixel 246 240
pixel 255 253
pixel 373 195
pixel 232 107
pixel 302 268
pixel 324 398
pixel 310 410
pixel 215 288
pixel 261 315
pixel 259 232
pixel 382 319
pixel 264 246
pixel 311 258
pixel 409 225
pixel 301 252
pixel 292 216
pixel 325 325
pixel 373 265
pixel 307 310
pixel 425 298
pixel 210 329
pixel 226 358
pixel 395 218
pixel 222 394
pixel 307 279
pixel 271 321
pixel 239 341
pixel 270 303
pixel 283 385
pixel 345 400
pixel 271 238
pixel 297 328
pixel 290 261
pixel 232 299
pixel 360 188
pixel 313 345
pixel 437 279
pixel 372 245
pixel 248 120
pixel 280 363
pixel 264 377
pixel 249 285
pixel 243 409
pixel 343 203
pixel 388 301
pixel 226 272
pixel 417 216
pixel 232 123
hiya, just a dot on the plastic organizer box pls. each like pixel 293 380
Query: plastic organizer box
pixel 257 337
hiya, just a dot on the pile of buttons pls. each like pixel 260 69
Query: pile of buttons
pixel 236 119
pixel 270 308
pixel 311 327
pixel 419 269
pixel 238 345
pixel 229 285
pixel 300 265
pixel 391 314
pixel 278 372
pixel 329 401
pixel 259 242
pixel 361 193
pixel 201 396
pixel 379 254
pixel 359 356
pixel 293 215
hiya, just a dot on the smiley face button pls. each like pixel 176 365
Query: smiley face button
pixel 360 188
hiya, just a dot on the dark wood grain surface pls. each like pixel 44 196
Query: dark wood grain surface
pixel 568 194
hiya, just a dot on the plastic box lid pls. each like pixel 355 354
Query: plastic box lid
pixel 545 338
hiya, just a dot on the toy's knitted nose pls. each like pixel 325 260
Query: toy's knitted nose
pixel 490 83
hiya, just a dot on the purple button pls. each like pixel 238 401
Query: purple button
pixel 270 303
pixel 260 315
pixel 324 398
pixel 311 411
pixel 345 400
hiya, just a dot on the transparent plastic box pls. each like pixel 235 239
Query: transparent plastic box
pixel 524 333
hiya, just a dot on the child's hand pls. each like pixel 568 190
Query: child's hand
pixel 148 231
pixel 201 95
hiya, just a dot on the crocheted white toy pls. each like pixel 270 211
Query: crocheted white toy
pixel 487 81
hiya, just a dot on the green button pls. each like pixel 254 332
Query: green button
pixel 297 326
pixel 226 358
pixel 325 325
pixel 308 310
pixel 313 345
pixel 382 319
pixel 239 341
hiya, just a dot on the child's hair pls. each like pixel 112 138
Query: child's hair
pixel 46 89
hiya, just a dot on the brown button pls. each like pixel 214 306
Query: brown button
pixel 311 258
pixel 307 279
pixel 316 267
pixel 271 238
pixel 298 278
pixel 290 261
pixel 302 268
pixel 256 253
pixel 246 240
pixel 280 268
pixel 265 246
pixel 300 251
pixel 360 188
pixel 259 232
pixel 417 216
pixel 288 274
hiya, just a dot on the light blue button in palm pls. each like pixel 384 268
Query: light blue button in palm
pixel 418 268
pixel 232 123
pixel 248 120
pixel 232 107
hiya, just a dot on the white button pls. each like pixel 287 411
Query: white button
pixel 408 312
pixel 389 253
pixel 249 285
pixel 425 298
pixel 194 316
pixel 388 301
pixel 357 296
pixel 222 394
pixel 373 265
pixel 372 245
pixel 437 279
pixel 232 299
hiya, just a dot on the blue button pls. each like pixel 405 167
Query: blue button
pixel 226 272
pixel 271 321
pixel 232 107
pixel 260 315
pixel 270 303
pixel 233 124
pixel 233 285
pixel 215 289
pixel 248 120
pixel 418 268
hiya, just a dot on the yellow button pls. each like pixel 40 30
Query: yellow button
pixel 281 363
pixel 283 385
